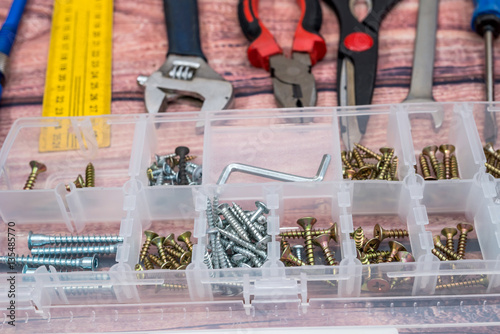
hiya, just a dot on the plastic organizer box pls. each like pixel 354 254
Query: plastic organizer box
pixel 115 297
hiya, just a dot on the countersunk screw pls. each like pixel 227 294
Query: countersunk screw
pixel 170 241
pixel 322 241
pixel 378 284
pixel 439 255
pixel 377 254
pixel 182 151
pixel 386 160
pixel 395 248
pixel 430 151
pixel 447 150
pixel 243 243
pixel 404 256
pixel 261 209
pixel 449 233
pixel 75 250
pixel 394 169
pixel 483 281
pixel 488 148
pixel 150 235
pixel 83 263
pixel 158 242
pixel 90 175
pixel 300 234
pixel 36 168
pixel 147 264
pixel 424 165
pixel 262 241
pixel 492 169
pixel 359 238
pixel 307 223
pixel 237 227
pixel 464 229
pixel 381 234
pixel 368 152
pixel 185 238
pixel 159 262
pixel 288 256
pixel 79 182
pixel 454 168
pixel 36 240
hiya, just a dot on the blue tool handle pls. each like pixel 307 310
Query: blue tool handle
pixel 183 28
pixel 9 28
pixel 486 16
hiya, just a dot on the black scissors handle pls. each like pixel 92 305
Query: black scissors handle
pixel 359 43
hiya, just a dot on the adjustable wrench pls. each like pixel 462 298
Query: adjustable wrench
pixel 423 59
pixel 185 72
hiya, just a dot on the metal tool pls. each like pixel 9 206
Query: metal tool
pixel 293 84
pixel 274 175
pixel 486 22
pixel 357 60
pixel 185 72
pixel 423 58
pixel 8 35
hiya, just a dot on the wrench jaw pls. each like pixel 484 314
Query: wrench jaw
pixel 186 76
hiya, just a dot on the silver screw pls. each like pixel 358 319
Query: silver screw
pixel 243 243
pixel 221 253
pixel 247 253
pixel 261 209
pixel 207 259
pixel 212 232
pixel 195 170
pixel 224 209
pixel 297 251
pixel 261 240
pixel 88 290
pixel 76 250
pixel 35 240
pixel 83 263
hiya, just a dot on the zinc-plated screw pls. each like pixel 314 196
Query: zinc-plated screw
pixel 36 168
pixel 322 241
pixel 307 223
pixel 182 151
pixel 212 233
pixel 170 241
pixel 368 152
pixel 287 255
pixel 359 238
pixel 454 168
pixel 150 235
pixel 261 209
pixel 297 251
pixel 237 227
pixel 262 241
pixel 36 240
pixel 332 230
pixel 207 260
pixel 395 248
pixel 447 150
pixel 90 175
pixel 76 250
pixel 243 243
pixel 158 242
pixel 195 171
pixel 83 263
pixel 381 234
pixel 424 165
pixel 449 233
pixel 185 238
pixel 464 229
pixel 483 281
pixel 430 151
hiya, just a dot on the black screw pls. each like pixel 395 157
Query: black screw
pixel 182 152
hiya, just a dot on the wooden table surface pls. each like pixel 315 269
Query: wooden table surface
pixel 140 45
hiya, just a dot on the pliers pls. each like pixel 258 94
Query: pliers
pixel 293 84
pixel 357 60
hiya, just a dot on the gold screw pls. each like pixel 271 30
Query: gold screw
pixel 89 175
pixel 156 260
pixel 424 165
pixel 158 241
pixel 170 241
pixel 454 168
pixel 449 233
pixel 362 257
pixel 439 255
pixel 381 234
pixel 359 238
pixel 451 254
pixel 147 264
pixel 464 229
pixel 394 168
pixel 395 248
pixel 371 245
pixel 322 241
pixel 492 169
pixel 145 247
pixel 346 162
pixel 79 182
pixel 378 284
pixel 307 223
pixel 185 237
pixel 377 254
pixel 288 256
pixel 368 152
pixel 488 148
pixel 300 234
pixel 183 258
pixel 386 160
pixel 430 151
pixel 447 150
pixel 170 286
pixel 36 168
pixel 483 281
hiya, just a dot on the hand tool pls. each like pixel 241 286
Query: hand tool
pixel 7 36
pixel 486 22
pixel 423 58
pixel 185 72
pixel 357 60
pixel 293 83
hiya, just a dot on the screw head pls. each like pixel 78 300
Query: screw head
pixel 350 173
pixel 138 267
pixel 322 240
pixel 465 228
pixel 378 232
pixel 396 247
pixel 385 150
pixel 158 241
pixel 286 251
pixel 238 258
pixel 40 167
pixel 429 150
pixel 334 232
pixel 262 206
pixel 489 148
pixel 30 245
pixel 404 257
pixel 185 258
pixel 150 234
pixel 170 240
pixel 182 150
pixel 378 285
pixel 449 231
pixel 447 149
pixel 307 223
pixel 262 244
pixel 184 236
pixel 79 182
pixel 298 248
pixel 371 245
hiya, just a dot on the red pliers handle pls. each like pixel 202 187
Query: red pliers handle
pixel 263 45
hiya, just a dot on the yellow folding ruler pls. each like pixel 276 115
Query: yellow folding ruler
pixel 78 80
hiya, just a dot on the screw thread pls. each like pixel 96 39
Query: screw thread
pixel 394 169
pixel 240 214
pixel 76 239
pixel 449 243
pixel 492 168
pixel 145 249
pixel 87 290
pixel 454 167
pixel 293 260
pixel 172 252
pixel 308 242
pixel 396 233
pixel 170 286
pixel 439 255
pixel 463 284
pixel 374 255
pixel 243 243
pixel 234 223
pixel 386 160
pixel 358 158
pixel 170 259
pixel 171 241
pixel 368 152
pixel 147 264
pixel 344 160
pixel 182 173
pixel 295 234
pixel 31 181
pixel 364 258
pixel 359 238
pixel 328 256
pixel 219 252
pixel 424 165
pixel 207 260
pixel 89 175
pixel 462 243
pixel 451 254
pixel 156 260
pixel 83 263
pixel 76 250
